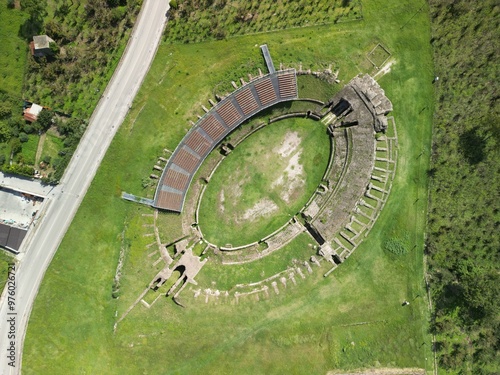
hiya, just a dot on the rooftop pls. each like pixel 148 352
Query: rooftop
pixel 42 41
pixel 31 113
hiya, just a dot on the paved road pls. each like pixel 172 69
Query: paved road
pixel 63 202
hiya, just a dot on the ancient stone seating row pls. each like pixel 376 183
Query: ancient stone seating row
pixel 287 85
pixel 198 143
pixel 186 160
pixel 213 127
pixel 265 91
pixel 246 100
pixel 229 114
pixel 169 200
pixel 176 180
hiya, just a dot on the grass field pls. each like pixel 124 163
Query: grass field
pixel 314 88
pixel 29 149
pixel 351 319
pixel 264 181
pixel 51 145
pixel 5 260
pixel 226 277
pixel 14 50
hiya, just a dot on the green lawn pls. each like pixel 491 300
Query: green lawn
pixel 226 277
pixel 5 260
pixel 29 149
pixel 277 168
pixel 313 88
pixel 351 319
pixel 52 145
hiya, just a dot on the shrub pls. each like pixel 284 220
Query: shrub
pixel 118 14
pixel 23 137
pixel 396 246
pixel 46 159
pixel 54 48
pixel 28 128
pixel 24 170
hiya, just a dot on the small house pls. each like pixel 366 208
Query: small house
pixel 40 46
pixel 31 113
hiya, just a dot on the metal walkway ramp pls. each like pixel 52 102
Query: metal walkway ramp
pixel 267 57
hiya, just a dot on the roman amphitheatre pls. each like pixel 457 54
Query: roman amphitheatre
pixel 265 187
pixel 263 201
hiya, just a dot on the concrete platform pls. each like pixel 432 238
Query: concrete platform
pixel 18 209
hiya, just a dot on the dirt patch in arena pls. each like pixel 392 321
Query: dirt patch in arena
pixel 289 144
pixel 291 181
pixel 222 199
pixel 264 207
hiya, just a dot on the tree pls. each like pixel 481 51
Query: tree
pixel 5 133
pixel 37 9
pixel 5 110
pixel 15 146
pixel 44 120
pixel 479 287
pixel 23 137
pixel 28 128
pixel 54 29
pixel 15 124
pixel 54 48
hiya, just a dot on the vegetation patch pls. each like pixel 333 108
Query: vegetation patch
pixel 5 260
pixel 311 87
pixel 396 246
pixel 14 51
pixel 195 21
pixel 13 61
pixel 52 146
pixel 89 37
pixel 29 148
pixel 464 216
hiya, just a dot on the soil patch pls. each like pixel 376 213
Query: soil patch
pixel 264 207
